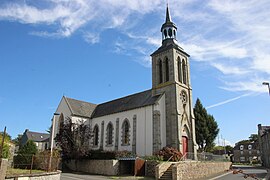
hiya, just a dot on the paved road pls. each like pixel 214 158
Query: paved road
pixel 71 176
pixel 258 173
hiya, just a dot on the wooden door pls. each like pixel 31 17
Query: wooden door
pixel 185 144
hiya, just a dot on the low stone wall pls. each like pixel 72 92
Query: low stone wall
pixel 150 168
pixel 197 169
pixel 3 168
pixel 39 176
pixel 102 167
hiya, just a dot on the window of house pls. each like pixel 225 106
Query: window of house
pixel 242 147
pixel 96 131
pixel 125 132
pixel 250 147
pixel 241 152
pixel 167 72
pixel 110 134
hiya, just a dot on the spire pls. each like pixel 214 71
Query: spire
pixel 168 17
pixel 168 29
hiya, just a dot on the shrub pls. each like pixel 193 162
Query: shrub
pixel 169 153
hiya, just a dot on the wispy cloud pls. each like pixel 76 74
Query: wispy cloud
pixel 228 101
pixel 232 37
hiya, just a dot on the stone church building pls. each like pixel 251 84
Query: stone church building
pixel 147 121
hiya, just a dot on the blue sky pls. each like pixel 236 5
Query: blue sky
pixel 99 51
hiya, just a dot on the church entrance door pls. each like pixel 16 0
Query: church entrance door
pixel 184 144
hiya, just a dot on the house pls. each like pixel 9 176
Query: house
pixel 264 144
pixel 40 139
pixel 246 152
pixel 146 121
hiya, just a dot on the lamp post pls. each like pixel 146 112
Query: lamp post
pixel 52 140
pixel 267 84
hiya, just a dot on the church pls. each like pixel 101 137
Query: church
pixel 147 121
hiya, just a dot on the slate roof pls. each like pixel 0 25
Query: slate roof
pixel 80 108
pixel 169 44
pixel 36 136
pixel 133 101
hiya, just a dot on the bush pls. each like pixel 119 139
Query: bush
pixel 169 153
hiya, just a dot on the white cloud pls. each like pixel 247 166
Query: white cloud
pixel 230 36
pixel 91 37
pixel 223 142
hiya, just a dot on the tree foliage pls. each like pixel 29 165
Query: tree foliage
pixel 73 139
pixel 253 137
pixel 17 140
pixel 206 127
pixel 6 147
pixel 25 153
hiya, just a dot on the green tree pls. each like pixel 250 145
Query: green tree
pixel 17 140
pixel 253 137
pixel 206 127
pixel 6 147
pixel 25 153
pixel 29 148
pixel 73 139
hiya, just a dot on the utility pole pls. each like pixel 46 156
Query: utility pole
pixel 2 143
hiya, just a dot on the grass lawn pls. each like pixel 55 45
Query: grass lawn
pixel 12 171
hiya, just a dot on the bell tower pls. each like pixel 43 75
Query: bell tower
pixel 171 76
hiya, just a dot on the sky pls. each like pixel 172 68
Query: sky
pixel 97 51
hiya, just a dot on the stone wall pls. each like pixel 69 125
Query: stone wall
pixel 40 176
pixel 197 169
pixel 102 167
pixel 3 168
pixel 150 168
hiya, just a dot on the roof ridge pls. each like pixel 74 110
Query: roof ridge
pixel 79 100
pixel 124 97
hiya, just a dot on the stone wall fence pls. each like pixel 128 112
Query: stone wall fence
pixel 3 168
pixel 198 169
pixel 39 176
pixel 102 167
pixel 150 167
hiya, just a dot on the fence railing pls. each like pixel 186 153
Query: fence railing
pixel 205 156
pixel 33 163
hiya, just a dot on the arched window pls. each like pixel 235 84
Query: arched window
pixel 179 70
pixel 165 33
pixel 96 131
pixel 184 71
pixel 167 72
pixel 110 134
pixel 125 132
pixel 170 32
pixel 160 71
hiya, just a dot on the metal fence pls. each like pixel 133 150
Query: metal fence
pixel 204 156
pixel 34 162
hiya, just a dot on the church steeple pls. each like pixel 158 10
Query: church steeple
pixel 168 29
pixel 168 17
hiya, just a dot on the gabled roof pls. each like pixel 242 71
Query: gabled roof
pixel 80 108
pixel 36 136
pixel 130 102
